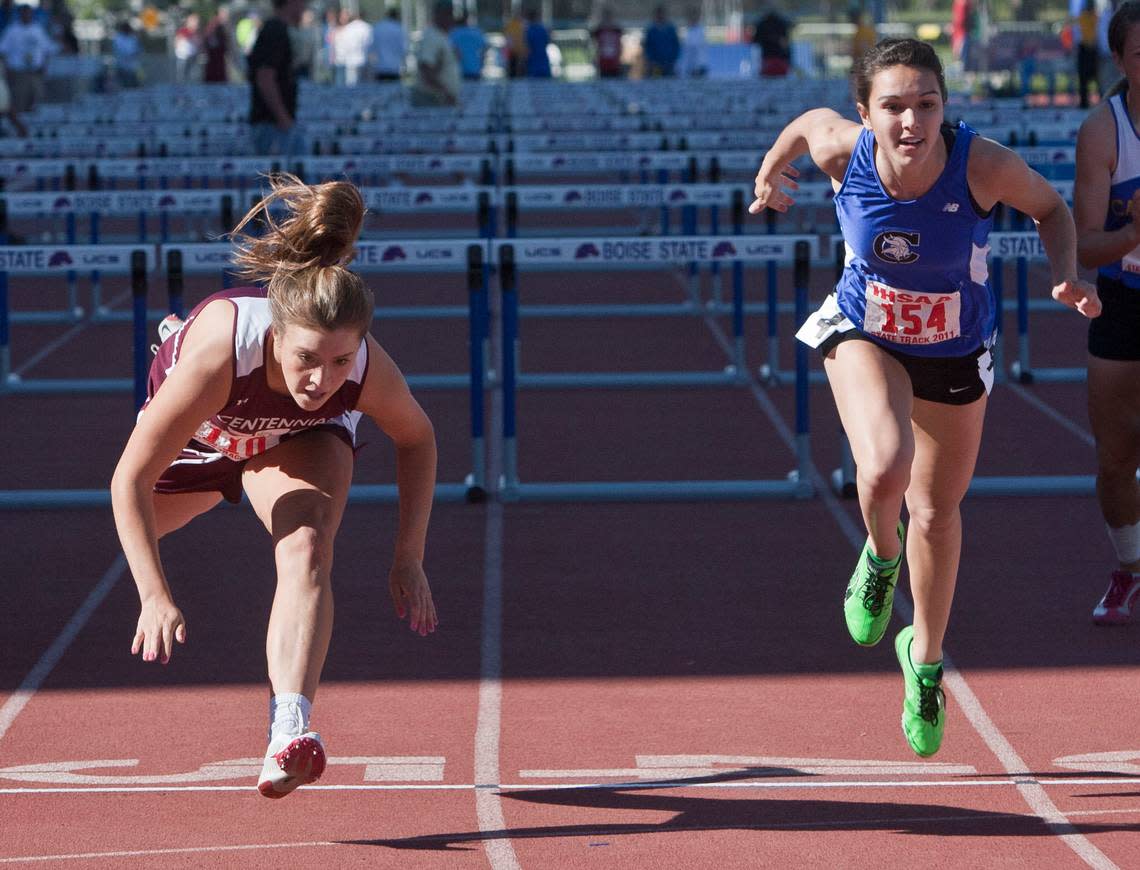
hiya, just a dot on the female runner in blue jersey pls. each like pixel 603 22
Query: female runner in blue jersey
pixel 1106 199
pixel 906 334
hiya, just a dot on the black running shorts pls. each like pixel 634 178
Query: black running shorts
pixel 1116 333
pixel 954 380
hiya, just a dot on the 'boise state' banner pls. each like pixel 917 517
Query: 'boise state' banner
pixel 407 199
pixel 1026 245
pixel 667 249
pixel 379 256
pixel 118 202
pixel 48 259
pixel 414 256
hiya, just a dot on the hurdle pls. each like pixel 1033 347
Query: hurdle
pixel 136 260
pixel 652 253
pixel 468 257
pixel 1026 247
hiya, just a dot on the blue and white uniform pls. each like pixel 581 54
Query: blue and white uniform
pixel 1116 333
pixel 1124 181
pixel 916 276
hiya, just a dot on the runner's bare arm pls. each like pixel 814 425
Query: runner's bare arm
pixel 194 391
pixel 824 134
pixel 997 174
pixel 386 399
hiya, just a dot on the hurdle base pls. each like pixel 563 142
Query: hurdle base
pixel 1047 485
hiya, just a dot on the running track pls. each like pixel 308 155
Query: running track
pixel 612 685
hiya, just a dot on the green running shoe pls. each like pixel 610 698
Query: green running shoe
pixel 924 704
pixel 870 596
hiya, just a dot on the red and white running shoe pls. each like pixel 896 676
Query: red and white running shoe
pixel 1116 606
pixel 291 761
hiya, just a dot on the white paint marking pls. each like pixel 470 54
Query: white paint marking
pixel 1103 762
pixel 683 767
pixel 377 768
pixel 488 724
pixel 1052 413
pixel 40 671
pixel 657 785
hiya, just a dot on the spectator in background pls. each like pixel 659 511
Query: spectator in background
pixel 273 83
pixel 471 46
pixel 306 39
pixel 514 34
pixel 773 38
pixel 864 36
pixel 187 44
pixel 537 42
pixel 25 48
pixel 961 27
pixel 389 47
pixel 1088 55
pixel 1107 73
pixel 245 32
pixel 437 67
pixel 607 45
pixel 18 126
pixel 694 49
pixel 660 45
pixel 216 47
pixel 126 54
pixel 351 44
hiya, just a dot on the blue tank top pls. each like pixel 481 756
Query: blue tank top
pixel 1125 179
pixel 915 275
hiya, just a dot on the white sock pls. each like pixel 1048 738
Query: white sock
pixel 1126 542
pixel 288 714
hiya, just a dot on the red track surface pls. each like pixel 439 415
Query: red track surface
pixel 613 685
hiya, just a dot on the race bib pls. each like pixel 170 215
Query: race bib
pixel 1130 262
pixel 907 317
pixel 231 446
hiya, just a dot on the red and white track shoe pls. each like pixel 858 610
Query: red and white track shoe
pixel 291 761
pixel 1115 608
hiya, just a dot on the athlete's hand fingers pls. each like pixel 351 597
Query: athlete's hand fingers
pixel 166 646
pixel 399 596
pixel 1079 295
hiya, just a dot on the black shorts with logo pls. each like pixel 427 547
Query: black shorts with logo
pixel 1116 333
pixel 953 380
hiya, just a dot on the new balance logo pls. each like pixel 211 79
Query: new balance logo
pixel 950 207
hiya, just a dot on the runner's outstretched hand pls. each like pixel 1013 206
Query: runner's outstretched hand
pixel 1079 295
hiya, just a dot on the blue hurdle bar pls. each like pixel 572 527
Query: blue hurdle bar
pixel 679 250
pixel 59 260
pixel 63 499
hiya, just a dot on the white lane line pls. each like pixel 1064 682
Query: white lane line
pixel 873 823
pixel 488 724
pixel 19 699
pixel 142 853
pixel 806 784
pixel 1052 413
pixel 955 683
